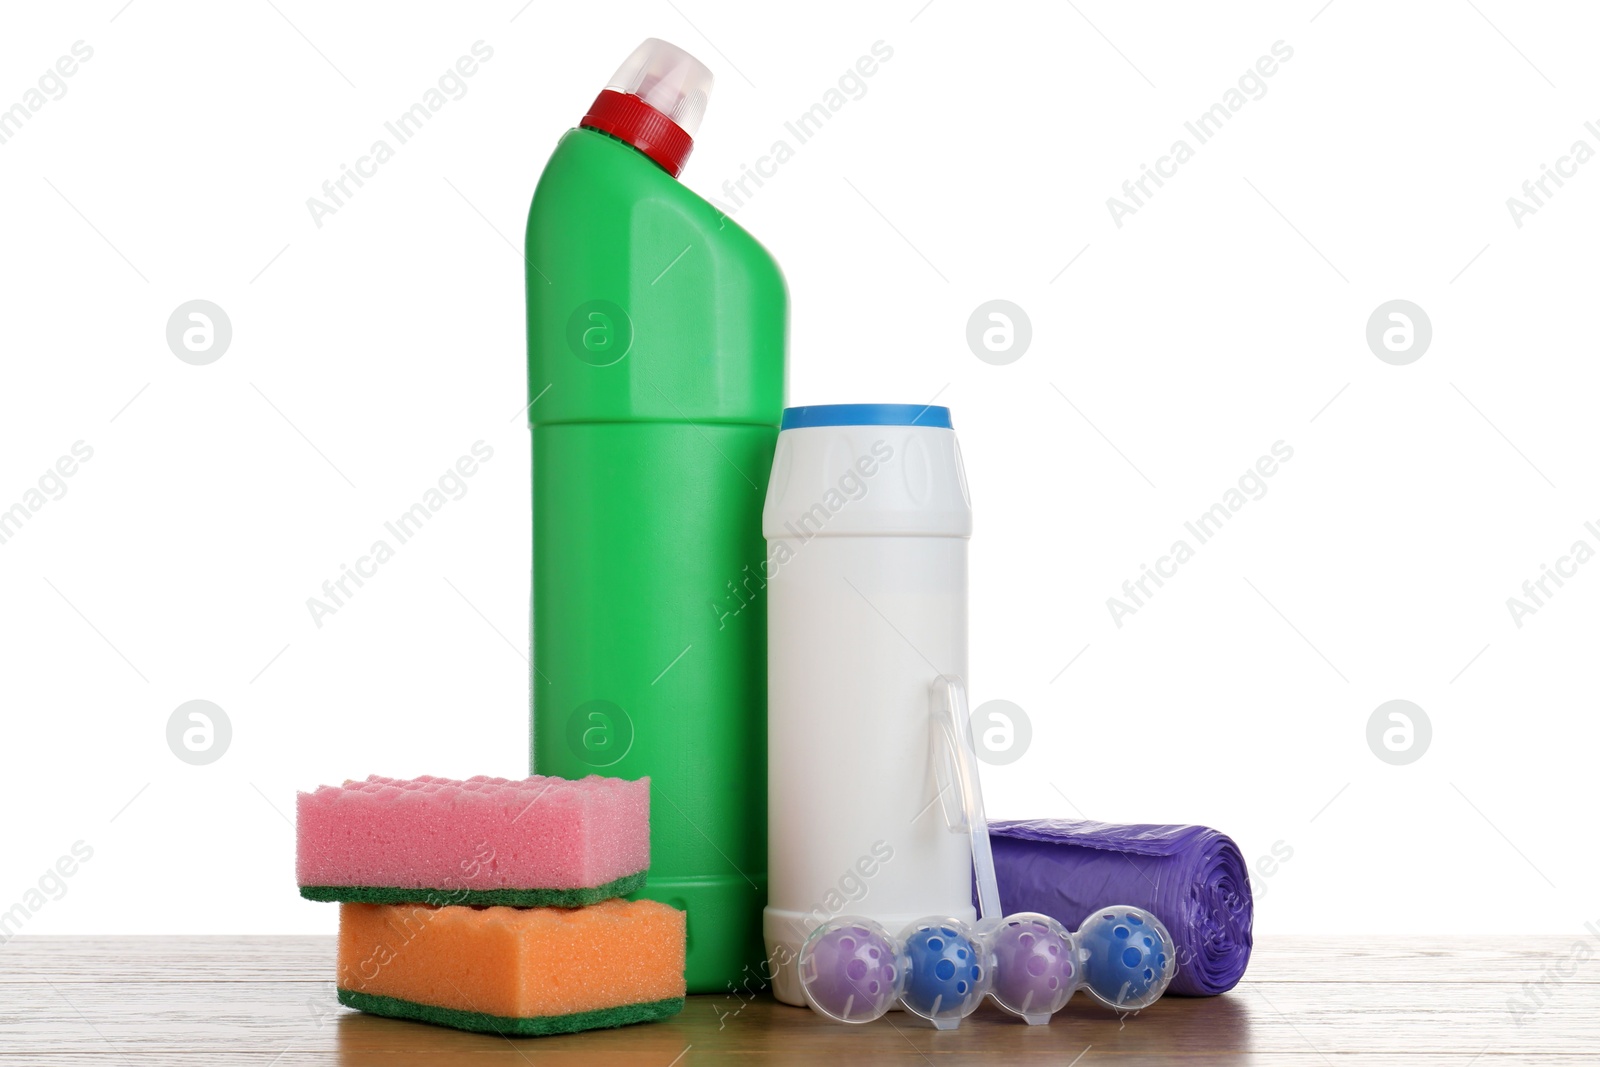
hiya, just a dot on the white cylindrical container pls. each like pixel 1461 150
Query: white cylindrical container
pixel 867 520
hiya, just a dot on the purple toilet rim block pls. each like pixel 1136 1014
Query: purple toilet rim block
pixel 1192 878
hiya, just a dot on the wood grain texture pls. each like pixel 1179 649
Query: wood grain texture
pixel 1306 1001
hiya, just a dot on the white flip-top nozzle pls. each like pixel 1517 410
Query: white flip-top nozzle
pixel 668 79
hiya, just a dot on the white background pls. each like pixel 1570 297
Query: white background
pixel 1225 315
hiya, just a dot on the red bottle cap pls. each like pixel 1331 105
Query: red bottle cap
pixel 630 119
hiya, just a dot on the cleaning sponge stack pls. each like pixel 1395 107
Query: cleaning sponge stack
pixel 489 904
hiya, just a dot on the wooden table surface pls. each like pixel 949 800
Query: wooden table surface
pixel 270 1001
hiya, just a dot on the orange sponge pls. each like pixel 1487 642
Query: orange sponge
pixel 514 970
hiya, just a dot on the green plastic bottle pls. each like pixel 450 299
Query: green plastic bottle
pixel 656 337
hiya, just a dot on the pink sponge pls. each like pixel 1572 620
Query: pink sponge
pixel 486 841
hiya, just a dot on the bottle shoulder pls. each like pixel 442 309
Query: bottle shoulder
pixel 596 179
pixel 645 301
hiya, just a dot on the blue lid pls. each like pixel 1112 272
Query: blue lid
pixel 866 415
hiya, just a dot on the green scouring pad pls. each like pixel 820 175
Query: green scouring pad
pixel 511 898
pixel 533 1026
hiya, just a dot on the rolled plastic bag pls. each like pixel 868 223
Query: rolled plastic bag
pixel 1192 878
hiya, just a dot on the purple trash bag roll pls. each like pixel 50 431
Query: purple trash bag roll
pixel 1191 877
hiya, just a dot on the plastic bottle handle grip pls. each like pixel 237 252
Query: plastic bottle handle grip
pixel 955 766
